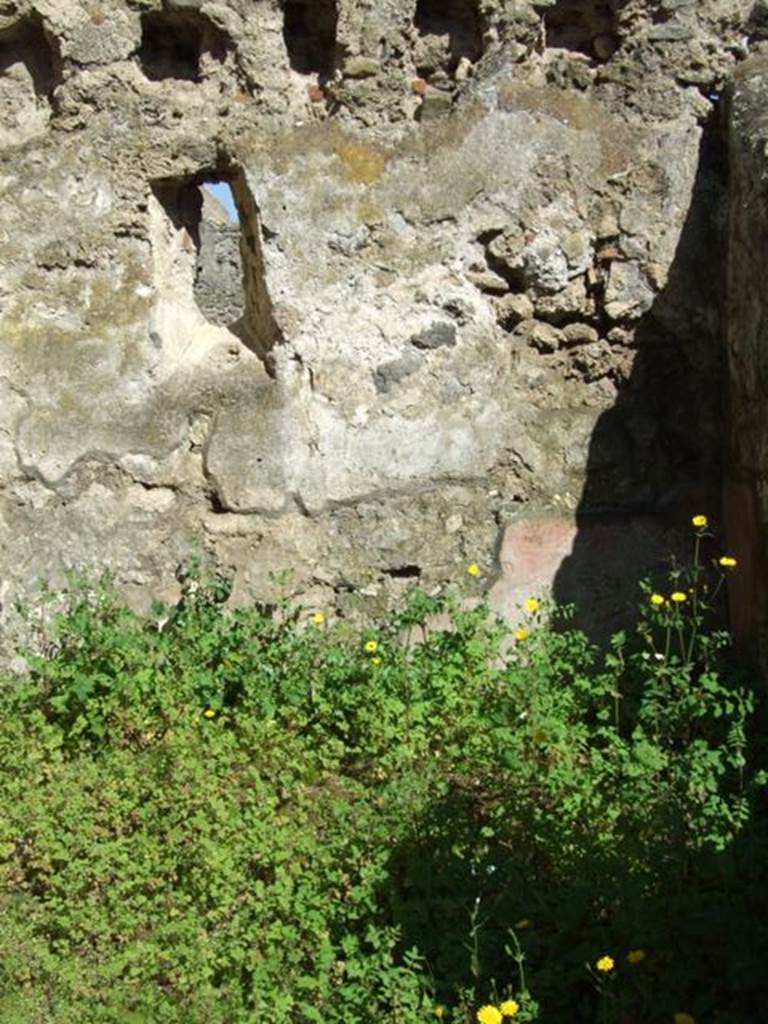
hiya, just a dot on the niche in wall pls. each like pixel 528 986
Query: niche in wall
pixel 174 43
pixel 590 27
pixel 309 31
pixel 30 70
pixel 447 32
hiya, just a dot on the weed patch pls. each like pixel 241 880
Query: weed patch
pixel 227 816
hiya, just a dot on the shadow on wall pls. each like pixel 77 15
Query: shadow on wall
pixel 655 457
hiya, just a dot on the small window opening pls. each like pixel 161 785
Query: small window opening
pixel 590 27
pixel 449 32
pixel 218 284
pixel 222 195
pixel 26 49
pixel 309 31
pixel 172 45
pixel 212 241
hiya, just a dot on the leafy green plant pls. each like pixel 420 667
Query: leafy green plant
pixel 218 815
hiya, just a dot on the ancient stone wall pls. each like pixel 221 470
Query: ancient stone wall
pixel 747 346
pixel 478 310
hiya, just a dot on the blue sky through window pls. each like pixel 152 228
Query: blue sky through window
pixel 221 190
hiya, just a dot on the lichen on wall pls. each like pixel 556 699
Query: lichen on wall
pixel 473 271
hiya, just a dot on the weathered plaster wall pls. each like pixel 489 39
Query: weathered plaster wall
pixel 480 247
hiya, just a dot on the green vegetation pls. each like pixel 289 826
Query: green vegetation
pixel 245 816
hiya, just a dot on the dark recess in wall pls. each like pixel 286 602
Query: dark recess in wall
pixel 173 43
pixel 309 31
pixel 458 24
pixel 757 23
pixel 28 43
pixel 590 27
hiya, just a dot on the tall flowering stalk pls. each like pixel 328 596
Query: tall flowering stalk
pixel 679 616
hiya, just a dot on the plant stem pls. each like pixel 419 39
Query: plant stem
pixel 695 574
pixel 474 949
pixel 519 957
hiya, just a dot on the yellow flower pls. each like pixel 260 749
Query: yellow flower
pixel 521 633
pixel 371 646
pixel 509 1007
pixel 727 562
pixel 657 599
pixel 678 597
pixel 489 1015
pixel 522 923
pixel 605 964
pixel 699 522
pixel 531 605
pixel 376 660
pixel 684 1018
pixel 209 713
pixel 318 618
pixel 635 956
pixel 439 1012
pixel 473 569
